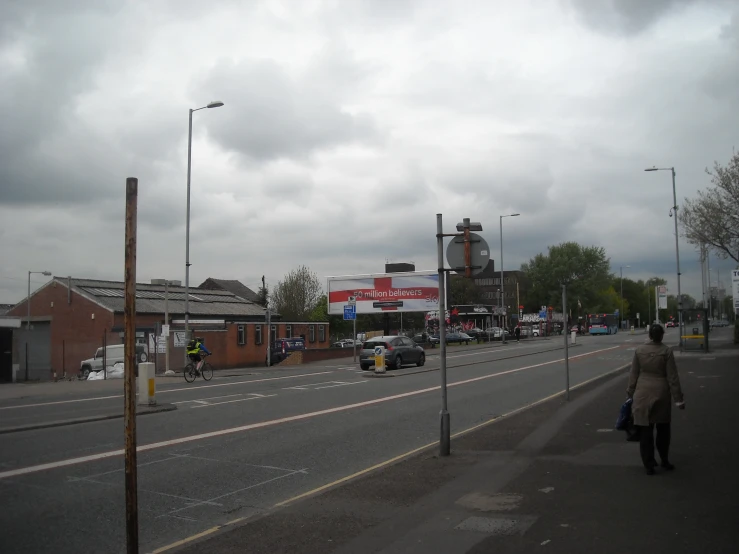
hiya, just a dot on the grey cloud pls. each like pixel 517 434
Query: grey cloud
pixel 629 17
pixel 271 115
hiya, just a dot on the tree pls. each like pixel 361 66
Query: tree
pixel 584 269
pixel 263 294
pixel 297 295
pixel 713 218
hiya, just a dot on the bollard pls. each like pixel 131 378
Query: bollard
pixel 632 330
pixel 573 336
pixel 147 384
pixel 379 359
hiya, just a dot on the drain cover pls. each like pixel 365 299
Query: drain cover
pixel 489 525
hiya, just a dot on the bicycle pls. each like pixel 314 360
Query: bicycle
pixel 192 371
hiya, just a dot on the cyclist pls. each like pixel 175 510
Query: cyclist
pixel 194 349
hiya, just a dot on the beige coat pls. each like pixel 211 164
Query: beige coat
pixel 654 384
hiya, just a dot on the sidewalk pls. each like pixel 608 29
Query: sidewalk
pixel 553 478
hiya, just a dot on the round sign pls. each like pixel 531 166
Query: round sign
pixel 479 254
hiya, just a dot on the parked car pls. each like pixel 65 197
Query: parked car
pixel 721 323
pixel 459 338
pixel 113 355
pixel 434 340
pixel 344 343
pixel 398 352
pixel 535 332
pixel 281 349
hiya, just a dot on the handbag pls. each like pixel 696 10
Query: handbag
pixel 624 416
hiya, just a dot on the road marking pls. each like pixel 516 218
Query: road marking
pixel 259 397
pixel 273 422
pixel 328 385
pixel 209 398
pixel 230 384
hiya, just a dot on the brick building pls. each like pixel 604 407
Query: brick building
pixel 71 318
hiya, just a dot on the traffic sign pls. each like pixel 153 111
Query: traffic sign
pixel 350 312
pixel 479 254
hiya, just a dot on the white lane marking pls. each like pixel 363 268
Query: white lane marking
pixel 231 384
pixel 328 385
pixel 209 398
pixel 270 423
pixel 207 405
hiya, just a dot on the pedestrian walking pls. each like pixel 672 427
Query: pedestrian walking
pixel 654 384
pixel 518 333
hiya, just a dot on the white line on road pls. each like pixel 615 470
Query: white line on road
pixel 209 398
pixel 231 384
pixel 258 397
pixel 273 422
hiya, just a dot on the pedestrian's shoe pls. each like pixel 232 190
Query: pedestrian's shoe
pixel 667 466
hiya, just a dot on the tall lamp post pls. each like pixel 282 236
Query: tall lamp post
pixel 502 289
pixel 622 294
pixel 673 212
pixel 214 104
pixel 28 319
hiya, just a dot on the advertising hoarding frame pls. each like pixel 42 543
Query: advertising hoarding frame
pixel 378 293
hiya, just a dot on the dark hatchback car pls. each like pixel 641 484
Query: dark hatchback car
pixel 399 351
pixel 281 349
pixel 459 338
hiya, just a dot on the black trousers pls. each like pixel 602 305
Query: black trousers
pixel 646 443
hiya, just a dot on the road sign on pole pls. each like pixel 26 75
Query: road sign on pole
pixel 350 312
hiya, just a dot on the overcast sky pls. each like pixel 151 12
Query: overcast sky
pixel 348 125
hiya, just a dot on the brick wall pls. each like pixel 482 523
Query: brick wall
pixel 77 327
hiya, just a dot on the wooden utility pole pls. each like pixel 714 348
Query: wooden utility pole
pixel 129 323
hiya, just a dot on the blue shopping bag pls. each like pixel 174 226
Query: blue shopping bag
pixel 624 416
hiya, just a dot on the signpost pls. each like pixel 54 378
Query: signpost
pixel 735 289
pixel 350 312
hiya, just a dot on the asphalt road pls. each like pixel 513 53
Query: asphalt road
pixel 238 446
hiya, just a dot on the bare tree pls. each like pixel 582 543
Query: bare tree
pixel 713 218
pixel 297 295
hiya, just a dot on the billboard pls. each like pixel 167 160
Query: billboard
pixel 416 291
pixel 661 292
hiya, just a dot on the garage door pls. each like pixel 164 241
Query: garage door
pixel 37 345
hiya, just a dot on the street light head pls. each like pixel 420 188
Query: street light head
pixel 47 273
pixel 215 104
pixel 651 169
pixel 514 215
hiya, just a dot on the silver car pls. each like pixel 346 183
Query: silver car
pixel 399 351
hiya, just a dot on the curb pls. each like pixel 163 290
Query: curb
pixel 64 422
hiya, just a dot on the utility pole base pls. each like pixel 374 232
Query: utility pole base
pixel 445 443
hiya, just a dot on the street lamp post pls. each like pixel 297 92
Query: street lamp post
pixel 214 104
pixel 673 212
pixel 28 319
pixel 622 294
pixel 502 289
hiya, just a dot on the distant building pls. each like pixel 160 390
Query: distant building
pixel 71 318
pixel 232 286
pixel 399 267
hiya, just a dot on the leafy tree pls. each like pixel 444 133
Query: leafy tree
pixel 713 218
pixel 584 269
pixel 297 295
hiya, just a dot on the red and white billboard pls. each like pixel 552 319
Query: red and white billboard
pixel 416 291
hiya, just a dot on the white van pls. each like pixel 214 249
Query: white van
pixel 113 355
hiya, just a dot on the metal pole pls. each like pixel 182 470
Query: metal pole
pixel 166 322
pixel 467 250
pixel 677 258
pixel 187 238
pixel 621 315
pixel 445 445
pixel 567 351
pixel 129 323
pixel 710 294
pixel 28 322
pixel 269 337
pixel 502 289
pixel 354 338
pixel 105 356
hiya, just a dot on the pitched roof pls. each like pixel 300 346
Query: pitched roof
pixel 231 285
pixel 151 299
pixel 5 308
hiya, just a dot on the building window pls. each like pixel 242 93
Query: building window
pixel 241 334
pixel 273 333
pixel 321 333
pixel 258 334
pixel 312 333
pixel 288 331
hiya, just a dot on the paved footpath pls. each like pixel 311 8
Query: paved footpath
pixel 553 478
